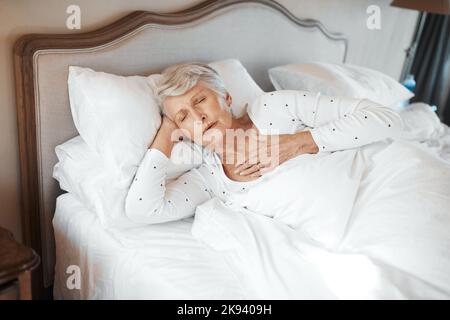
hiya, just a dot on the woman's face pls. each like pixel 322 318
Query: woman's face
pixel 199 114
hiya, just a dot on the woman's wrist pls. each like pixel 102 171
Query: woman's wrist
pixel 306 142
pixel 165 147
pixel 163 140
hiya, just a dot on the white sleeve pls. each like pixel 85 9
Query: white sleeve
pixel 150 200
pixel 336 123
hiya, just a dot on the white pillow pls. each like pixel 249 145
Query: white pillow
pixel 341 80
pixel 117 116
pixel 239 84
pixel 83 173
pixel 420 123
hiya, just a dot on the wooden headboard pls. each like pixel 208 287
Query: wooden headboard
pixel 260 33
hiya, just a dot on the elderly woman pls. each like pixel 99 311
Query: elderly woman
pixel 194 99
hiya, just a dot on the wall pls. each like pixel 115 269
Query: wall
pixel 379 49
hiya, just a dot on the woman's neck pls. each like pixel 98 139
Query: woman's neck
pixel 238 126
pixel 243 123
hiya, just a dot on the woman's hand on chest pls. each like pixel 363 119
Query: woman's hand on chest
pixel 272 151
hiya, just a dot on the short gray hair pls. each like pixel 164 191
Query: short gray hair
pixel 179 78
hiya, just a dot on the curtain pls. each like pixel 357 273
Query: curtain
pixel 431 65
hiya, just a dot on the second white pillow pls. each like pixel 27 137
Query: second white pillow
pixel 340 80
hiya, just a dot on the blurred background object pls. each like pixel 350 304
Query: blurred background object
pixel 428 58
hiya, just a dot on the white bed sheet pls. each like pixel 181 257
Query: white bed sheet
pixel 153 262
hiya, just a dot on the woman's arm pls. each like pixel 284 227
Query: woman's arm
pixel 345 123
pixel 335 123
pixel 164 138
pixel 150 200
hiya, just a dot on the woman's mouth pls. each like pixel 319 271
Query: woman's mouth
pixel 211 125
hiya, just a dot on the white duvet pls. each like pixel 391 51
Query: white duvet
pixel 372 223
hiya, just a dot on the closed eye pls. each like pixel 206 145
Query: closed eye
pixel 181 116
pixel 203 99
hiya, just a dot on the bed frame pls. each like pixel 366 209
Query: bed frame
pixel 260 33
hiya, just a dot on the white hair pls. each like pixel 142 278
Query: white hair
pixel 179 78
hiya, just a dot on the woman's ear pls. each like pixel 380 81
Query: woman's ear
pixel 229 99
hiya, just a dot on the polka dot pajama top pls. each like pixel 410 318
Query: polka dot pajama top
pixel 335 123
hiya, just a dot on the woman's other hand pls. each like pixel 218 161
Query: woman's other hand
pixel 281 149
pixel 167 135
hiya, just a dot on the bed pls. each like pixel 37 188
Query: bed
pixel 153 262
pixel 161 261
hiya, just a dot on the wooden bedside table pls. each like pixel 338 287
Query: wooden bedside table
pixel 16 263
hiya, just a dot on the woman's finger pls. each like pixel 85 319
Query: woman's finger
pixel 265 163
pixel 242 166
pixel 246 164
pixel 252 169
pixel 240 163
pixel 256 174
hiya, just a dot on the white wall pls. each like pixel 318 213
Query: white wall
pixel 379 49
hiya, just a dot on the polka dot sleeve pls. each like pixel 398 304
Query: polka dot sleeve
pixel 336 123
pixel 343 123
pixel 151 200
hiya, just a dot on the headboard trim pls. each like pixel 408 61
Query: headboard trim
pixel 27 45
